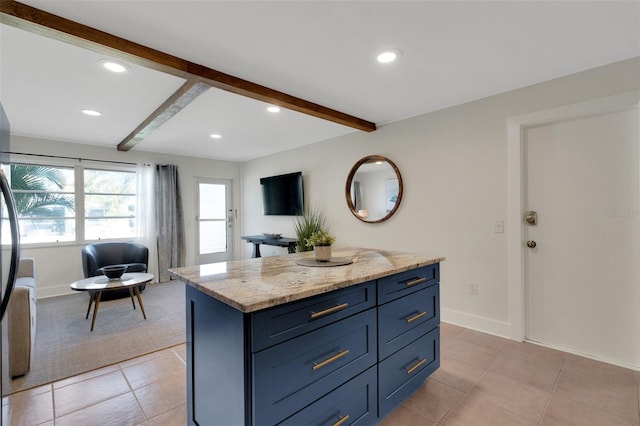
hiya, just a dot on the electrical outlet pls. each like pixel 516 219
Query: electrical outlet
pixel 498 227
pixel 473 289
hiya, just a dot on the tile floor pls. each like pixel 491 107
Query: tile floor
pixel 148 390
pixel 483 380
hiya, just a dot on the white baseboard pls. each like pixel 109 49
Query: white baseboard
pixel 53 291
pixel 586 355
pixel 503 329
pixel 483 324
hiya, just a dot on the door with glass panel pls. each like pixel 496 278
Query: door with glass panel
pixel 214 222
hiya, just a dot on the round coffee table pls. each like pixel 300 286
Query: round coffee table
pixel 96 285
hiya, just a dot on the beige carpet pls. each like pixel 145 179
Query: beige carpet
pixel 65 346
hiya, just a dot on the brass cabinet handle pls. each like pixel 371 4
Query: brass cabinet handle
pixel 317 365
pixel 328 311
pixel 415 317
pixel 415 282
pixel 342 420
pixel 416 366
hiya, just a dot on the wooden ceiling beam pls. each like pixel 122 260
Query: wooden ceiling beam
pixel 38 21
pixel 173 105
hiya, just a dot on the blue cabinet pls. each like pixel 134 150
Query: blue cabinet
pixel 406 370
pixel 408 334
pixel 398 285
pixel 289 376
pixel 405 319
pixel 348 357
pixel 353 403
pixel 276 325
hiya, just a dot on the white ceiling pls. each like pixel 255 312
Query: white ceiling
pixel 452 52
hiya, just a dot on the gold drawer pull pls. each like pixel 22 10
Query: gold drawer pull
pixel 415 282
pixel 415 367
pixel 317 365
pixel 416 316
pixel 328 311
pixel 342 420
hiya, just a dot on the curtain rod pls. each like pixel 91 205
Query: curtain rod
pixel 80 159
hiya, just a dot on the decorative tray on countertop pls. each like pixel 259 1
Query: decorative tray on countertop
pixel 334 261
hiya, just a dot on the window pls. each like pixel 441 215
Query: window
pixel 109 204
pixel 45 202
pixel 72 203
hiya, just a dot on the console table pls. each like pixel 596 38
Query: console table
pixel 289 243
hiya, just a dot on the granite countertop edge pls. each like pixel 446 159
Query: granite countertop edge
pixel 251 285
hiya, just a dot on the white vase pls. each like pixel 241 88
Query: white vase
pixel 323 253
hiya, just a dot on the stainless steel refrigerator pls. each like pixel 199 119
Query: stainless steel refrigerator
pixel 9 232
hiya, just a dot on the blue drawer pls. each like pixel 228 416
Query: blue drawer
pixel 404 372
pixel 295 373
pixel 354 403
pixel 398 285
pixel 275 325
pixel 403 320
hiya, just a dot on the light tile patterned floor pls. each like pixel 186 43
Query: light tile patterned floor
pixel 149 390
pixel 483 380
pixel 487 380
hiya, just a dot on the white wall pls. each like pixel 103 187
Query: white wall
pixel 59 265
pixel 454 167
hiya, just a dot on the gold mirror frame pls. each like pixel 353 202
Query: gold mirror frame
pixel 352 173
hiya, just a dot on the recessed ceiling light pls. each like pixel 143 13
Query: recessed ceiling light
pixel 215 136
pixel 388 56
pixel 273 109
pixel 91 112
pixel 114 66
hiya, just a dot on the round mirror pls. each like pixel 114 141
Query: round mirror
pixel 374 189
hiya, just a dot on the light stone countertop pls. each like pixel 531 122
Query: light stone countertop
pixel 253 284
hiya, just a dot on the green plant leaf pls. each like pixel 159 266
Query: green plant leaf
pixel 312 220
pixel 40 180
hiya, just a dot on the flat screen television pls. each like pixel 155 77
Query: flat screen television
pixel 282 195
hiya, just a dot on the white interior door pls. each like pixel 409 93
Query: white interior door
pixel 214 223
pixel 582 278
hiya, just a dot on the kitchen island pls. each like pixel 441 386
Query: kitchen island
pixel 270 342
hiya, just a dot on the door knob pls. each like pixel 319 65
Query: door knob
pixel 531 244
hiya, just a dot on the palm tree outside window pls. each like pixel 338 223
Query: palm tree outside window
pixel 45 201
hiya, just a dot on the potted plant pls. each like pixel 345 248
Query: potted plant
pixel 312 220
pixel 321 242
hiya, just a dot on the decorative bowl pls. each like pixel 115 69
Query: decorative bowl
pixel 114 272
pixel 274 236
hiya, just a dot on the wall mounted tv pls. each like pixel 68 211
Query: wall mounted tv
pixel 282 195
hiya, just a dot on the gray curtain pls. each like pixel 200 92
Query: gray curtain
pixel 169 220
